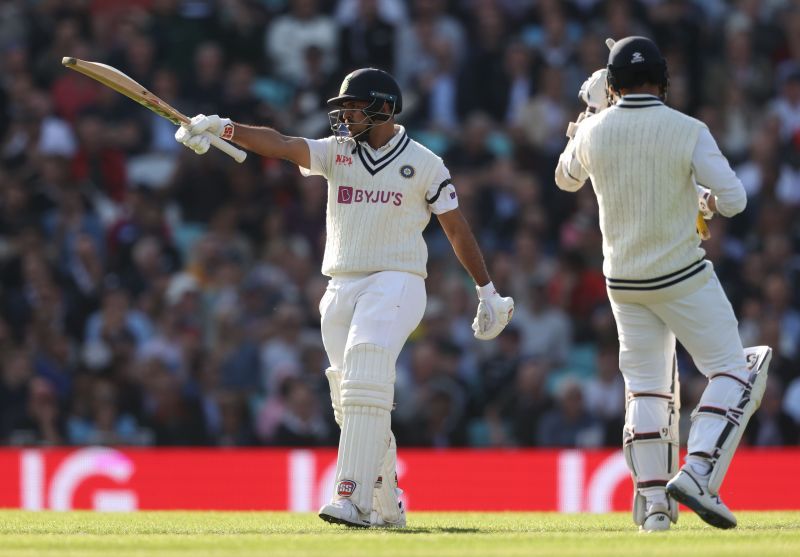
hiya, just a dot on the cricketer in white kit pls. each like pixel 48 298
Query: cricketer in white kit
pixel 382 189
pixel 652 168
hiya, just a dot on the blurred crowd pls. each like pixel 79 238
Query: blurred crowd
pixel 151 296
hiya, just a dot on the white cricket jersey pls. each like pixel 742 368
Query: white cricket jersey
pixel 640 156
pixel 379 202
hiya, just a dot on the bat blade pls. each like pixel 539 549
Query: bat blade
pixel 114 79
pixel 124 84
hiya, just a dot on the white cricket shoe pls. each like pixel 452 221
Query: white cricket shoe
pixel 691 489
pixel 379 522
pixel 343 511
pixel 657 518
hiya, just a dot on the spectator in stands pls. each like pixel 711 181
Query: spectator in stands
pixel 207 254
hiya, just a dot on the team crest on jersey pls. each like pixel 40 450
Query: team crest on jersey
pixel 407 171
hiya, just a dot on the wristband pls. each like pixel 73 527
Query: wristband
pixel 485 291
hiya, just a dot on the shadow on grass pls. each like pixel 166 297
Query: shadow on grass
pixel 434 530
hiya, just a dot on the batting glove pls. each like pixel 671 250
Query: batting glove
pixel 593 91
pixel 703 195
pixel 193 135
pixel 494 313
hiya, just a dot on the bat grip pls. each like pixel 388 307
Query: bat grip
pixel 702 227
pixel 234 152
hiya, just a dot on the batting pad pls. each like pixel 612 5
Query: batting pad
pixel 367 394
pixel 650 443
pixel 385 498
pixel 721 416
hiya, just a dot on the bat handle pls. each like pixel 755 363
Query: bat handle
pixel 234 152
pixel 702 227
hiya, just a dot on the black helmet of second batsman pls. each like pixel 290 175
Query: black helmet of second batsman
pixel 635 61
pixel 371 85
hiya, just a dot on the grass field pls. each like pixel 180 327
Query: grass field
pixel 438 534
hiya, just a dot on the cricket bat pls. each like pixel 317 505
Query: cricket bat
pixel 702 227
pixel 121 83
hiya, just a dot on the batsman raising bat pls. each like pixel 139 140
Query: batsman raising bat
pixel 382 188
pixel 644 160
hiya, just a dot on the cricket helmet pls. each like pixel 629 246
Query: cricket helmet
pixel 634 61
pixel 371 85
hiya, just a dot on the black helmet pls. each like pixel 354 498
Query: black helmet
pixel 635 61
pixel 366 84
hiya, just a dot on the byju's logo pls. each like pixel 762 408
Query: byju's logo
pixel 345 194
pixel 348 195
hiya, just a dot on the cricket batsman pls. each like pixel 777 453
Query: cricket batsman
pixel 652 168
pixel 382 188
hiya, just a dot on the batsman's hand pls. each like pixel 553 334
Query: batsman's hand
pixel 593 91
pixel 494 313
pixel 194 134
pixel 703 202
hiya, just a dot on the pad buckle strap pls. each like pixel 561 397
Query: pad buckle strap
pixel 668 397
pixel 746 384
pixel 731 414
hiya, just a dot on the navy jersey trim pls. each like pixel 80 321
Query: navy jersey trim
pixel 656 279
pixel 373 166
pixel 651 286
pixel 439 191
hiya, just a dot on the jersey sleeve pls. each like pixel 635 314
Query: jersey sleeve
pixel 319 151
pixel 712 170
pixel 441 194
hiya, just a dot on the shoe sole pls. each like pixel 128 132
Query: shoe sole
pixel 343 522
pixel 712 518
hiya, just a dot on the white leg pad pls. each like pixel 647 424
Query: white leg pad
pixel 335 381
pixel 650 445
pixel 727 404
pixel 386 500
pixel 367 393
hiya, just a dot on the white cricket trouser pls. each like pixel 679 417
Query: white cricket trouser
pixel 380 308
pixel 702 321
pixel 366 319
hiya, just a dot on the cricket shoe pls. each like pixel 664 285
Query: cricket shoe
pixel 379 522
pixel 343 511
pixel 691 489
pixel 657 518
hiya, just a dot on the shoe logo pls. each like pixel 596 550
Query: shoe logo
pixel 345 488
pixel 637 58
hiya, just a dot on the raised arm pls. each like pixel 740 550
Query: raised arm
pixel 268 142
pixel 264 141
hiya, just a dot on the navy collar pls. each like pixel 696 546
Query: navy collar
pixel 639 100
pixel 375 160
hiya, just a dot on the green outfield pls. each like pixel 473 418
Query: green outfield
pixel 437 534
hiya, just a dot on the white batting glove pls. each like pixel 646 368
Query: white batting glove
pixel 494 313
pixel 193 135
pixel 593 91
pixel 702 200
